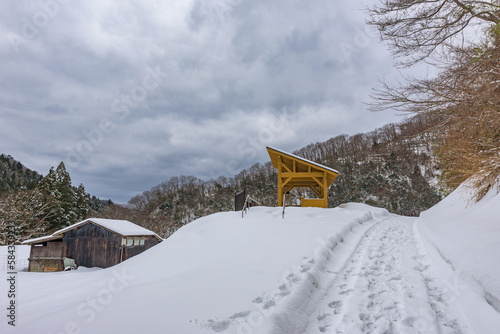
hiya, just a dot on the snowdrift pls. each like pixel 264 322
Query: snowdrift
pixel 207 276
pixel 467 236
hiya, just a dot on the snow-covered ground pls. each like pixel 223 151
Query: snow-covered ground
pixel 351 269
pixel 467 236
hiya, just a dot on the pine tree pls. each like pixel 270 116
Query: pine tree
pixel 67 199
pixel 82 202
pixel 51 196
pixel 68 204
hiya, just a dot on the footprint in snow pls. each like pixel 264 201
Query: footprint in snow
pixel 258 300
pixel 269 304
pixel 346 291
pixel 304 268
pixel 418 323
pixel 335 304
pixel 284 290
pixel 395 278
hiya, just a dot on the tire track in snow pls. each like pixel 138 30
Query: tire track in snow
pixel 302 287
pixel 387 286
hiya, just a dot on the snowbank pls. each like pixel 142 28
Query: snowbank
pixel 208 275
pixel 467 235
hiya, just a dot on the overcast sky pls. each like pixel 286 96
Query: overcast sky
pixel 131 93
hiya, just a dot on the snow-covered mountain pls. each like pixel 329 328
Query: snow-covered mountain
pixel 349 269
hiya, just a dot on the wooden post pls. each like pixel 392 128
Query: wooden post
pixel 325 190
pixel 280 182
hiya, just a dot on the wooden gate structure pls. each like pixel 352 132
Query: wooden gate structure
pixel 297 172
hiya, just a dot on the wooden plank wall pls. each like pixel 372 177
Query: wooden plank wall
pixel 50 249
pixel 45 265
pixel 92 246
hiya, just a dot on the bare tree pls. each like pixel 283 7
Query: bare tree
pixel 464 99
pixel 23 216
pixel 416 29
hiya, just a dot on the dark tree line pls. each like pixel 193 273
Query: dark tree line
pixel 43 207
pixel 390 167
pixel 14 176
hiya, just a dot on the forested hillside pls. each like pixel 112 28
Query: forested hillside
pixel 32 205
pixel 390 167
pixel 14 176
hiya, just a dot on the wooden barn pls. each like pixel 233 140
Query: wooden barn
pixel 94 242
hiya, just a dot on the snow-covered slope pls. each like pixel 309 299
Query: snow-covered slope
pixel 205 277
pixel 467 236
pixel 353 269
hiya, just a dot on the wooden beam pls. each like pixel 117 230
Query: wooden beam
pixel 286 182
pixel 286 167
pixel 303 174
pixel 316 191
pixel 320 183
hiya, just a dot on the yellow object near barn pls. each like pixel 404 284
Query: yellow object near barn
pixel 297 172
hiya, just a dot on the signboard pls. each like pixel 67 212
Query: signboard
pixel 239 200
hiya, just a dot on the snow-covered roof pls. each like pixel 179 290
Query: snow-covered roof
pixel 304 160
pixel 121 227
pixel 41 239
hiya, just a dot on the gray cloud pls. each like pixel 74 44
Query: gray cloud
pixel 131 93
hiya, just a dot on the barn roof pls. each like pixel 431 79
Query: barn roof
pixel 41 239
pixel 121 227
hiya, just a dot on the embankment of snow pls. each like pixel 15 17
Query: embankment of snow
pixel 211 274
pixel 467 236
pixel 377 213
pixel 304 286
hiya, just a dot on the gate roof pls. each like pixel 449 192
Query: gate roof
pixel 304 169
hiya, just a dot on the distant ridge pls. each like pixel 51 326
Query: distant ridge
pixel 391 167
pixel 14 175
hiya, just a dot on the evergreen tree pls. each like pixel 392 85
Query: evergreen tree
pixel 82 202
pixel 14 176
pixel 67 197
pixel 51 196
pixel 68 205
pixel 48 185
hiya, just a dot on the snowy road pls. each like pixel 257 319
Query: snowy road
pixel 387 286
pixel 386 283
